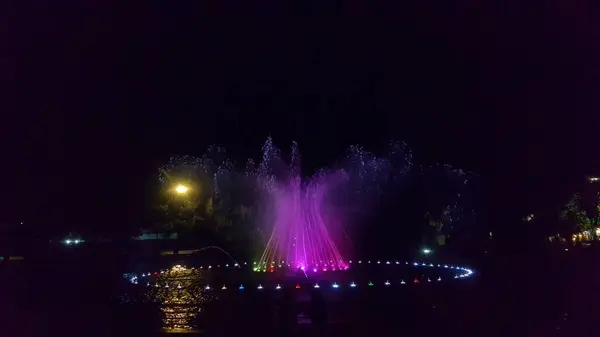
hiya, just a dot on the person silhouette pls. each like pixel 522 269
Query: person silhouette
pixel 287 312
pixel 318 310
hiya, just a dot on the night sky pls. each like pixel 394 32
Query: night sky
pixel 96 96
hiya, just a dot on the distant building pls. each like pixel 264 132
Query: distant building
pixel 157 236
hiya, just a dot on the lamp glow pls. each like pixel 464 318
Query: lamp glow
pixel 181 189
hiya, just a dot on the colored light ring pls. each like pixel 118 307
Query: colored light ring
pixel 334 285
pixel 264 267
pixel 462 272
pixel 319 267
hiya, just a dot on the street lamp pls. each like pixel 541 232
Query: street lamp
pixel 181 189
pixel 426 251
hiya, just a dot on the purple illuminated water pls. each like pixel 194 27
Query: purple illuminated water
pixel 308 216
pixel 300 236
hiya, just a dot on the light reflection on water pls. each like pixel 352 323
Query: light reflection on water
pixel 181 296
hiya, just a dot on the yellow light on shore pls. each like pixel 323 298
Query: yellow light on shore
pixel 181 189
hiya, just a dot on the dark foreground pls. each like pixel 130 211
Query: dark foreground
pixel 553 294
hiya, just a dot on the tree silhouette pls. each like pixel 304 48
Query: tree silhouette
pixel 574 217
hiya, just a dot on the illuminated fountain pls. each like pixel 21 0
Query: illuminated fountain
pixel 300 237
pixel 294 220
pixel 298 221
pixel 307 216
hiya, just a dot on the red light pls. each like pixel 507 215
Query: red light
pixel 271 270
pixel 416 281
pixel 155 273
pixel 297 286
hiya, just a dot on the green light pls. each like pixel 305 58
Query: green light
pixel 370 284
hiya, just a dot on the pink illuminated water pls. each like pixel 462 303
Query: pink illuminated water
pixel 300 237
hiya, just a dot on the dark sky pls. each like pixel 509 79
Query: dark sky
pixel 95 96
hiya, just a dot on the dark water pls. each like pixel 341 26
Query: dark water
pixel 553 295
pixel 194 299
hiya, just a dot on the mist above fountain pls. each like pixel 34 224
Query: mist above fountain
pixel 295 220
